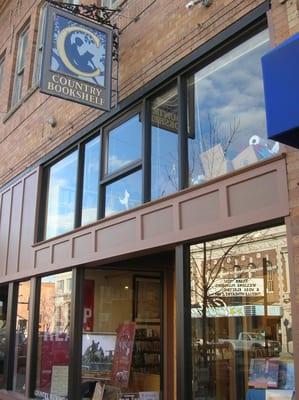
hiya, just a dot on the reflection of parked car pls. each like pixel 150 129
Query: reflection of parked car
pixel 253 341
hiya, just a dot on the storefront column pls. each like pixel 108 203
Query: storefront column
pixel 76 325
pixel 33 337
pixel 10 334
pixel 183 323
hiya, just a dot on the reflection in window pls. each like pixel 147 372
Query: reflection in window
pixel 3 331
pixel 124 144
pixel 226 113
pixel 61 196
pixel 21 338
pixel 53 337
pixel 91 181
pixel 121 335
pixel 164 160
pixel 123 194
pixel 241 331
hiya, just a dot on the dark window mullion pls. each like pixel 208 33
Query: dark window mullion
pixel 101 198
pixel 146 151
pixel 79 188
pixel 129 169
pixel 76 325
pixel 11 334
pixel 182 132
pixel 183 323
pixel 32 351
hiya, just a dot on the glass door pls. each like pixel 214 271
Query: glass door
pixel 121 340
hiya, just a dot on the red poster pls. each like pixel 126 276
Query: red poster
pixel 88 305
pixel 54 351
pixel 123 354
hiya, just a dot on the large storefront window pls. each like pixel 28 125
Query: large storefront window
pixel 242 346
pixel 164 160
pixel 3 331
pixel 91 181
pixel 227 123
pixel 123 189
pixel 60 216
pixel 21 338
pixel 121 336
pixel 53 337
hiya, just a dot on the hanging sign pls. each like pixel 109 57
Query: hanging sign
pixel 77 59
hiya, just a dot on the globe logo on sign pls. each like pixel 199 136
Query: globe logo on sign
pixel 78 51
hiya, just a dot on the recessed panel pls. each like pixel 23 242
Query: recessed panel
pixel 119 235
pixel 157 223
pixel 253 195
pixel 200 210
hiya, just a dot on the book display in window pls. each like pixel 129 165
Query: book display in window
pixel 146 356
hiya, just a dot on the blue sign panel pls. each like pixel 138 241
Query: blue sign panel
pixel 281 85
pixel 77 59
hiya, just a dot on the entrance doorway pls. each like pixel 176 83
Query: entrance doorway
pixel 122 335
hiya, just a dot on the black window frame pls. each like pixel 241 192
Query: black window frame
pixel 22 48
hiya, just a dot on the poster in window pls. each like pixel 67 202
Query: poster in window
pixel 147 299
pixel 123 354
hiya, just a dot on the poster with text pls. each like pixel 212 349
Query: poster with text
pixel 123 354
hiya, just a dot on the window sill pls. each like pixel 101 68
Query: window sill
pixel 19 104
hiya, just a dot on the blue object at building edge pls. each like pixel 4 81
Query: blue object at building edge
pixel 281 85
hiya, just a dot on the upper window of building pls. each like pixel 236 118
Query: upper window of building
pixel 72 1
pixel 2 58
pixel 39 45
pixel 17 91
pixel 227 124
pixel 60 214
pixel 123 144
pixel 112 4
pixel 164 151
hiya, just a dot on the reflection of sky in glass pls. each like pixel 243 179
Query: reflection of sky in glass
pixel 61 196
pixel 124 194
pixel 164 159
pixel 124 144
pixel 229 117
pixel 91 181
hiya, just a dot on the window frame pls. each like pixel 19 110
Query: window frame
pixel 137 165
pixel 2 65
pixel 45 180
pixel 39 45
pixel 19 70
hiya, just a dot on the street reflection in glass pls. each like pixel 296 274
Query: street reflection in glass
pixel 242 346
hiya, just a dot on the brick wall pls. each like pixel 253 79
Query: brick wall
pixel 154 35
